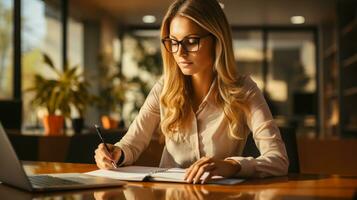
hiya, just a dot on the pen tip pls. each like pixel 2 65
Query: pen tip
pixel 95 125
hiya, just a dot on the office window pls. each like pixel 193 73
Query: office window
pixel 41 33
pixel 291 78
pixel 75 42
pixel 248 53
pixel 141 62
pixel 6 49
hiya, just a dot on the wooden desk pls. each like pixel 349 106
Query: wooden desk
pixel 290 187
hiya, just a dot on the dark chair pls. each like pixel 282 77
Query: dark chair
pixel 40 148
pixel 81 148
pixel 26 147
pixel 11 114
pixel 289 137
pixel 75 149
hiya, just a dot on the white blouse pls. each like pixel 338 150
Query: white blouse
pixel 208 135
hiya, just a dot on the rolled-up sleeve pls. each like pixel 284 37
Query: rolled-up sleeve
pixel 273 159
pixel 142 128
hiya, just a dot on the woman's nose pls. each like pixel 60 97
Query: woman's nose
pixel 181 50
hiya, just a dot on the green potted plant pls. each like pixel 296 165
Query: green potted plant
pixel 112 98
pixel 59 94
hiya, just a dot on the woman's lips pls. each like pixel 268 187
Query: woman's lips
pixel 185 63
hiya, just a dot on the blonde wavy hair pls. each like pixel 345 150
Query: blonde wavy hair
pixel 175 96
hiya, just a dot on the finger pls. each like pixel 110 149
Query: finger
pixel 95 157
pixel 103 150
pixel 203 160
pixel 100 165
pixel 99 162
pixel 192 173
pixel 207 178
pixel 198 162
pixel 104 153
pixel 99 154
pixel 102 156
pixel 195 168
pixel 187 172
pixel 204 168
pixel 199 173
pixel 106 164
pixel 96 152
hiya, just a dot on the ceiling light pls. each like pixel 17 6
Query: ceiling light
pixel 297 19
pixel 149 19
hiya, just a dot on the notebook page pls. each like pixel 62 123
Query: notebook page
pixel 139 173
pixel 130 173
pixel 172 175
pixel 169 175
pixel 178 175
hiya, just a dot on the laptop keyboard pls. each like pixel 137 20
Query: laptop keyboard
pixel 44 180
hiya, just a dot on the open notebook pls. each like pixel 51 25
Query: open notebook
pixel 141 173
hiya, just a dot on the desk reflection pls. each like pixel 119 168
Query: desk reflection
pixel 179 192
pixel 187 192
pixel 129 192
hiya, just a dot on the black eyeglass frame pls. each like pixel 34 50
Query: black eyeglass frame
pixel 180 42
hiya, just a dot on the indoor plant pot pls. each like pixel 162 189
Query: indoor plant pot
pixel 53 124
pixel 109 122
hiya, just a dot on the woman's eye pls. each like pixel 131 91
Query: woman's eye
pixel 173 42
pixel 192 40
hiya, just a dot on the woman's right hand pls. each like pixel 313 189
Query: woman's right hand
pixel 104 159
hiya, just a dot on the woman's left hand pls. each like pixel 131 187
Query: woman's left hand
pixel 225 168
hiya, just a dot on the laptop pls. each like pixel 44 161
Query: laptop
pixel 13 174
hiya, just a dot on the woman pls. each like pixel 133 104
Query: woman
pixel 202 106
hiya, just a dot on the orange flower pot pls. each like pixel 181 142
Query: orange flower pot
pixel 53 124
pixel 108 122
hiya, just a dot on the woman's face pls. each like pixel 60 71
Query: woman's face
pixel 191 60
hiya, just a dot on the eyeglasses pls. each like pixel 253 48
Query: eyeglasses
pixel 189 44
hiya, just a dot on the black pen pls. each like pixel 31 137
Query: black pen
pixel 105 145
